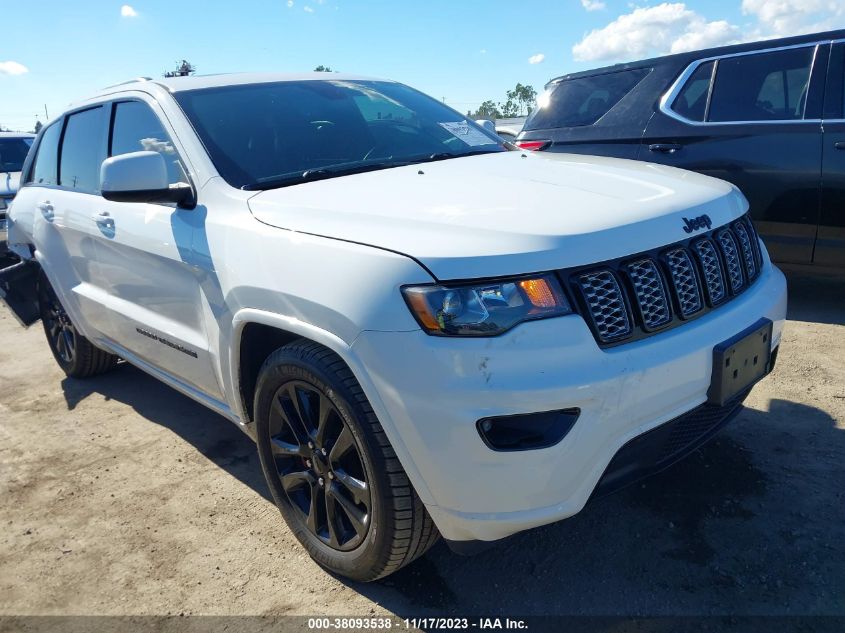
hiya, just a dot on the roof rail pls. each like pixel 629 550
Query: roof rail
pixel 131 81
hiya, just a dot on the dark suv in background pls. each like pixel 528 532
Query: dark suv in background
pixel 768 117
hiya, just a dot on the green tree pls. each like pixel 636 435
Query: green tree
pixel 509 109
pixel 487 110
pixel 522 98
pixel 322 69
pixel 38 126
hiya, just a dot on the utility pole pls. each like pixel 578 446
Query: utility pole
pixel 46 116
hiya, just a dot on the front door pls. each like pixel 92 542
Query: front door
pixel 754 120
pixel 157 307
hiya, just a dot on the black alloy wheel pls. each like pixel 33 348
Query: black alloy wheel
pixel 330 468
pixel 61 333
pixel 319 465
pixel 74 353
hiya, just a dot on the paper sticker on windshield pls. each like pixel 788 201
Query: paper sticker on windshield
pixel 467 133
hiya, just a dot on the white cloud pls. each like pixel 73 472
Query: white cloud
pixel 12 68
pixel 778 18
pixel 128 12
pixel 672 27
pixel 483 51
pixel 309 10
pixel 664 28
pixel 290 3
pixel 536 59
pixel 593 5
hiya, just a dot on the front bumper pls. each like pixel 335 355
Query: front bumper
pixel 430 391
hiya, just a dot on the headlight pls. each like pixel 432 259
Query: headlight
pixel 485 309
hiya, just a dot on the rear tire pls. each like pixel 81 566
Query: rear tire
pixel 74 353
pixel 308 406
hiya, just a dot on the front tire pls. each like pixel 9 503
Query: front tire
pixel 74 353
pixel 330 467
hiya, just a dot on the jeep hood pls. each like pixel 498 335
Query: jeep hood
pixel 9 183
pixel 505 213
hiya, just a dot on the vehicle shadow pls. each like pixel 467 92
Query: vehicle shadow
pixel 814 297
pixel 212 435
pixel 744 525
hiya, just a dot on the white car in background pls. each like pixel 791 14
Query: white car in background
pixel 425 333
pixel 14 147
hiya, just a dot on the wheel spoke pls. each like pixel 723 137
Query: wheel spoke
pixel 294 410
pixel 70 343
pixel 279 409
pixel 312 521
pixel 331 519
pixel 281 448
pixel 60 345
pixel 359 489
pixel 357 518
pixel 296 480
pixel 326 408
pixel 343 445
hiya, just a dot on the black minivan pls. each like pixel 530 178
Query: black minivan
pixel 768 117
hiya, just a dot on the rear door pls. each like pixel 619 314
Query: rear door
pixel 830 244
pixel 753 119
pixel 56 206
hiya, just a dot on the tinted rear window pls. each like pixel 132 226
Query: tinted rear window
pixel 762 87
pixel 583 101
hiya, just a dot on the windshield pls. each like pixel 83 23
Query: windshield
pixel 262 136
pixel 13 153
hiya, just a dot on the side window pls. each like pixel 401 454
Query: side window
pixel 691 101
pixel 83 150
pixel 44 170
pixel 762 87
pixel 137 128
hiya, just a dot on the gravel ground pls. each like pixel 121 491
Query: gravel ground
pixel 120 496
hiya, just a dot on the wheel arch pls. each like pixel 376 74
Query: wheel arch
pixel 256 334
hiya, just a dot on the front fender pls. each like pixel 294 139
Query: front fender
pixel 344 350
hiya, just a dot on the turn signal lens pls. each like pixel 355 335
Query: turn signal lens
pixel 485 309
pixel 539 293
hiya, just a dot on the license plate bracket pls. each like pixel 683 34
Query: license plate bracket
pixel 740 361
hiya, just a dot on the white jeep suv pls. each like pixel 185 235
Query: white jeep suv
pixel 333 263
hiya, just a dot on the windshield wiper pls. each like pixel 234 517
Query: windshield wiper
pixel 321 173
pixel 317 173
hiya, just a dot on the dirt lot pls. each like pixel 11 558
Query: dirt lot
pixel 120 496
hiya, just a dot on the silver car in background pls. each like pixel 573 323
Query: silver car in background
pixel 13 150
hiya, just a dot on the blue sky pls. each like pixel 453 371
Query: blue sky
pixel 53 52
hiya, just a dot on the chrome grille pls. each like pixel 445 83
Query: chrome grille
pixel 731 253
pixel 650 293
pixel 606 304
pixel 747 249
pixel 684 281
pixel 714 278
pixel 632 297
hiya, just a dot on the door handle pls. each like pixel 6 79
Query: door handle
pixel 840 145
pixel 46 210
pixel 665 148
pixel 103 217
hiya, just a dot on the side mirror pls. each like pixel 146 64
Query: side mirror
pixel 487 125
pixel 142 177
